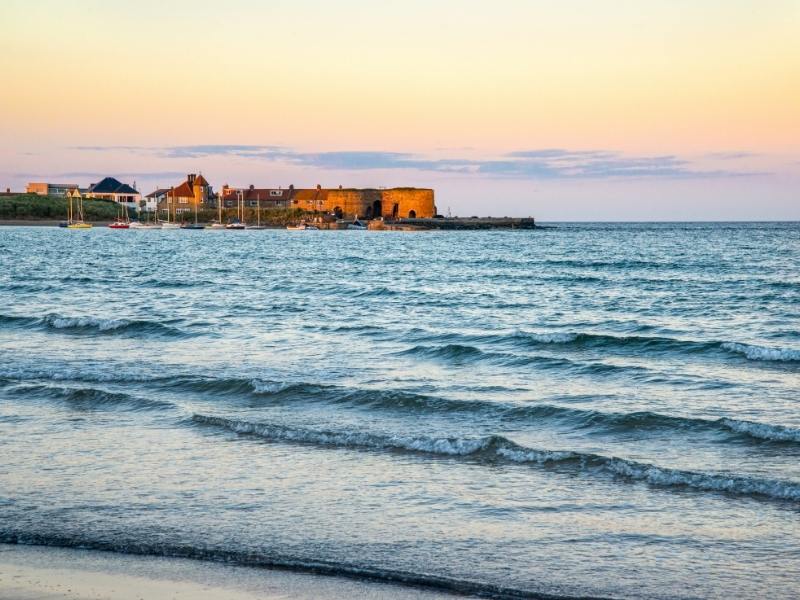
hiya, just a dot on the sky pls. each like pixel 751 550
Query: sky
pixel 561 110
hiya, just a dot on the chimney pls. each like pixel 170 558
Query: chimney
pixel 190 177
pixel 319 186
pixel 252 187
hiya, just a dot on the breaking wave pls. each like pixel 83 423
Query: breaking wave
pixel 93 325
pixel 499 448
pixel 522 339
pixel 754 352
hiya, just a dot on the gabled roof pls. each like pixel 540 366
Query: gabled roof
pixel 157 193
pixel 200 180
pixel 109 185
pixel 184 190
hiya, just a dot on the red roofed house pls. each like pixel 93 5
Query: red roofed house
pixel 182 199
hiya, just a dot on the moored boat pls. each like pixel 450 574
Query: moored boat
pixel 119 225
pixel 302 227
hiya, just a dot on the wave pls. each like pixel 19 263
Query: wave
pixel 498 448
pixel 455 352
pixel 411 404
pixel 522 339
pixel 754 352
pixel 93 325
pixel 88 398
pixel 265 558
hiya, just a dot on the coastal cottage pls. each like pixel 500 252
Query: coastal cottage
pixel 110 188
pixel 183 198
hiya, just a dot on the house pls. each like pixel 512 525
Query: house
pixel 153 199
pixel 183 198
pixel 253 197
pixel 110 188
pixel 49 189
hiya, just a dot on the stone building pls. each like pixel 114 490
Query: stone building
pixel 393 203
pixel 183 198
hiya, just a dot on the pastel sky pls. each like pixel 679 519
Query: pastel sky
pixel 560 109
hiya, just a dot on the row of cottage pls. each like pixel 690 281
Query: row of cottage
pixel 195 191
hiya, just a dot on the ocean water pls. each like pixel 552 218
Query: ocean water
pixel 599 410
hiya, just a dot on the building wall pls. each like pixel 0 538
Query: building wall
pixel 37 188
pixel 49 189
pixel 400 203
pixel 410 203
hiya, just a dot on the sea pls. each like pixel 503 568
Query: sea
pixel 582 410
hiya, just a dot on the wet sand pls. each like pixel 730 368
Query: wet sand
pixel 41 573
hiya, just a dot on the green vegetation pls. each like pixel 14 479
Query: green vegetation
pixel 34 207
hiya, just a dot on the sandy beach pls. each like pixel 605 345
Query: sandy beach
pixel 41 573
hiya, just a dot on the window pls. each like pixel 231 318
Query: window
pixel 276 193
pixel 183 201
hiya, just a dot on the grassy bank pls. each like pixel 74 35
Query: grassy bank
pixel 272 217
pixel 32 207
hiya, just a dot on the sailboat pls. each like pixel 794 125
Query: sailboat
pixel 194 225
pixel 258 224
pixel 169 224
pixel 239 222
pixel 76 223
pixel 122 221
pixel 218 224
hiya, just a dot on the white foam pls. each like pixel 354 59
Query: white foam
pixel 59 322
pixel 553 338
pixel 754 352
pixel 777 433
pixel 503 448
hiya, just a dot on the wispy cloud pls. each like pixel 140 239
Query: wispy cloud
pixel 541 163
pixel 731 155
pixel 97 175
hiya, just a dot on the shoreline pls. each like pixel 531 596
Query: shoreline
pixel 48 573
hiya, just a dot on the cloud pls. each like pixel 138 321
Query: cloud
pixel 731 155
pixel 249 151
pixel 97 176
pixel 535 164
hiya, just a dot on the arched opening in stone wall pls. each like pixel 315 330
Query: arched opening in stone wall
pixel 377 209
pixel 395 210
pixel 412 214
pixel 338 212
